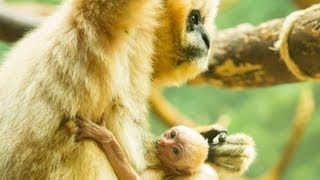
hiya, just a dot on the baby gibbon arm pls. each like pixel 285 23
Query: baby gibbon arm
pixel 111 147
pixel 231 155
pixel 234 156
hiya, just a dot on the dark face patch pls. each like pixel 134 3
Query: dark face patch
pixel 193 52
pixel 190 53
pixel 198 47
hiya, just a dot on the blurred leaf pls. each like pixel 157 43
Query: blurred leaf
pixel 3 48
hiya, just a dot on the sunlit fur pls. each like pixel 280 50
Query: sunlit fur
pixel 168 69
pixel 91 57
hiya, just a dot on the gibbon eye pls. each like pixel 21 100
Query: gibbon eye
pixel 172 134
pixel 195 17
pixel 175 151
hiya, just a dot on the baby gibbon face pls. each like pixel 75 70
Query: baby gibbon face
pixel 190 25
pixel 182 150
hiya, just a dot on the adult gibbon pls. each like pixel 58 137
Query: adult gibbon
pixel 94 57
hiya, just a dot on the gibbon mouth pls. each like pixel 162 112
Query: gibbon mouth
pixel 194 52
pixel 190 54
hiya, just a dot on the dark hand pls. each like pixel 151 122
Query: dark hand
pixel 213 131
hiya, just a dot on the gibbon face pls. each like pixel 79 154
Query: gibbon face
pixel 182 150
pixel 191 24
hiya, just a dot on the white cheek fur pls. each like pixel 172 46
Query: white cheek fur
pixel 194 38
pixel 202 63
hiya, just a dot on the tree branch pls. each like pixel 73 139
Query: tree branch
pixel 244 56
pixel 305 3
pixel 16 20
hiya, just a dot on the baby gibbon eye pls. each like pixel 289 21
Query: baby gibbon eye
pixel 175 151
pixel 172 134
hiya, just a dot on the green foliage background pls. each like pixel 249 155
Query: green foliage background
pixel 264 113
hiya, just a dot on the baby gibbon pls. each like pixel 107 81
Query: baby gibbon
pixel 178 151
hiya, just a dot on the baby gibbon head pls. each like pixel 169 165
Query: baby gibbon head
pixel 184 40
pixel 182 150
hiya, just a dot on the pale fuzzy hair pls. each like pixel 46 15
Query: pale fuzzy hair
pixel 196 147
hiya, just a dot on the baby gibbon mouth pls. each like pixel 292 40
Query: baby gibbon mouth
pixel 159 149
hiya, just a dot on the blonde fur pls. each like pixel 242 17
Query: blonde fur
pixel 168 45
pixel 196 148
pixel 91 57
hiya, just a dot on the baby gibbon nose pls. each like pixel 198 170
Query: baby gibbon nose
pixel 164 142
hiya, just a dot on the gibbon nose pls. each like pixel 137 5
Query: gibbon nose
pixel 205 39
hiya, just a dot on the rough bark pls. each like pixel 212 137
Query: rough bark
pixel 305 3
pixel 244 56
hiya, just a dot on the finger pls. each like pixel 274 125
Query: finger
pixel 210 135
pixel 81 135
pixel 213 132
pixel 81 118
pixel 222 137
pixel 223 131
pixel 79 121
pixel 84 123
pixel 102 121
